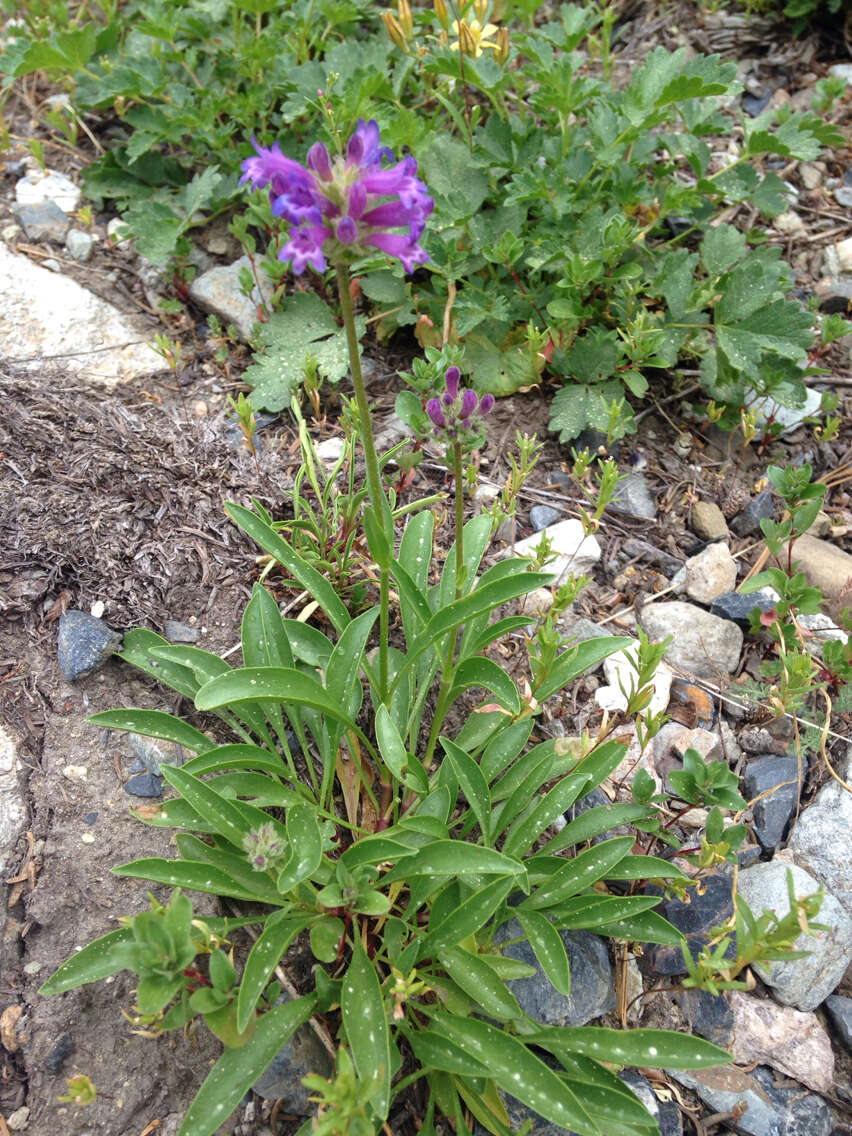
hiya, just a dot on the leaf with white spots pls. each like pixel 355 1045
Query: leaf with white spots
pixel 154 724
pixel 580 873
pixel 278 934
pixel 518 1071
pixel 366 1026
pixel 237 1069
pixel 193 875
pixel 648 1048
pixel 549 949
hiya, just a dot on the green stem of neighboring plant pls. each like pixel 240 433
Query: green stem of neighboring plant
pixel 374 481
pixel 447 671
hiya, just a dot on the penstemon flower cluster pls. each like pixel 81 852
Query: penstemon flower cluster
pixel 457 412
pixel 344 206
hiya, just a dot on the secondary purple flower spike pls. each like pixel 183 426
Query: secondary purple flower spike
pixel 457 412
pixel 340 207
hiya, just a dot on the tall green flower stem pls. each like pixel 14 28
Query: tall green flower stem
pixel 447 669
pixel 379 502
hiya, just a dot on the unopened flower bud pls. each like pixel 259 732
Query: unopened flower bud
pixel 451 380
pixel 486 403
pixel 406 20
pixel 480 7
pixel 442 13
pixel 467 40
pixel 469 401
pixel 433 409
pixel 319 161
pixel 395 32
pixel 501 50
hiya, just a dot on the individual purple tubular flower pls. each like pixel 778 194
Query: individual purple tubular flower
pixel 457 412
pixel 339 208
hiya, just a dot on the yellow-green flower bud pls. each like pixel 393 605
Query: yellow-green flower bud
pixel 394 31
pixel 467 40
pixel 442 12
pixel 480 7
pixel 501 51
pixel 406 20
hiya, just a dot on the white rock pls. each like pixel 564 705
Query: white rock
pixel 13 813
pixel 623 680
pixel 572 551
pixel 821 841
pixel 787 416
pixel 843 252
pixel 218 291
pixel 711 573
pixel 47 185
pixel 79 244
pixel 45 317
pixel 810 174
pixel 538 601
pixel 702 643
pixel 842 71
pixel 330 450
pixel 789 222
pixel 117 230
pixel 822 629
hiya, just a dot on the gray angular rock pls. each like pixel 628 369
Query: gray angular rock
pixel 737 607
pixel 218 291
pixel 805 982
pixel 177 632
pixel 301 1055
pixel 695 919
pixel 769 1111
pixel 708 1015
pixel 821 841
pixel 592 984
pixel 839 1010
pixel 708 521
pixel 761 507
pixel 778 778
pixel 710 573
pixel 43 221
pixel 702 643
pixel 43 185
pixel 665 1112
pixel 633 497
pixel 543 515
pixel 85 644
pixel 144 785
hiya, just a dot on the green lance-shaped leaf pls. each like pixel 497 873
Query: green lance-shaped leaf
pixel 278 934
pixel 342 670
pixel 580 873
pixel 238 755
pixel 518 1071
pixel 265 642
pixel 578 659
pixel 191 874
pixel 479 981
pixel 434 1051
pixel 237 1069
pixel 276 684
pixel 305 840
pixel 549 949
pixel 487 674
pixel 554 804
pixel 595 821
pixel 154 724
pixel 649 1048
pixel 228 820
pixel 97 960
pixel 591 911
pixel 455 858
pixel 466 919
pixel 403 765
pixel 138 645
pixel 309 578
pixel 473 785
pixel 366 1026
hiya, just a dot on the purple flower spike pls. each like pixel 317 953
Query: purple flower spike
pixel 469 401
pixel 451 381
pixel 433 409
pixel 486 403
pixel 343 208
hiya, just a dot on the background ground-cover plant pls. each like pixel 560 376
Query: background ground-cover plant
pixel 571 236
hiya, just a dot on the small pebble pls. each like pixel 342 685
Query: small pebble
pixel 88 838
pixel 18 1120
pixel 543 515
pixel 79 245
pixel 90 818
pixel 177 632
pixel 144 785
pixel 85 644
pixel 97 609
pixel 75 772
pixel 52 264
pixel 32 968
pixel 63 1047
